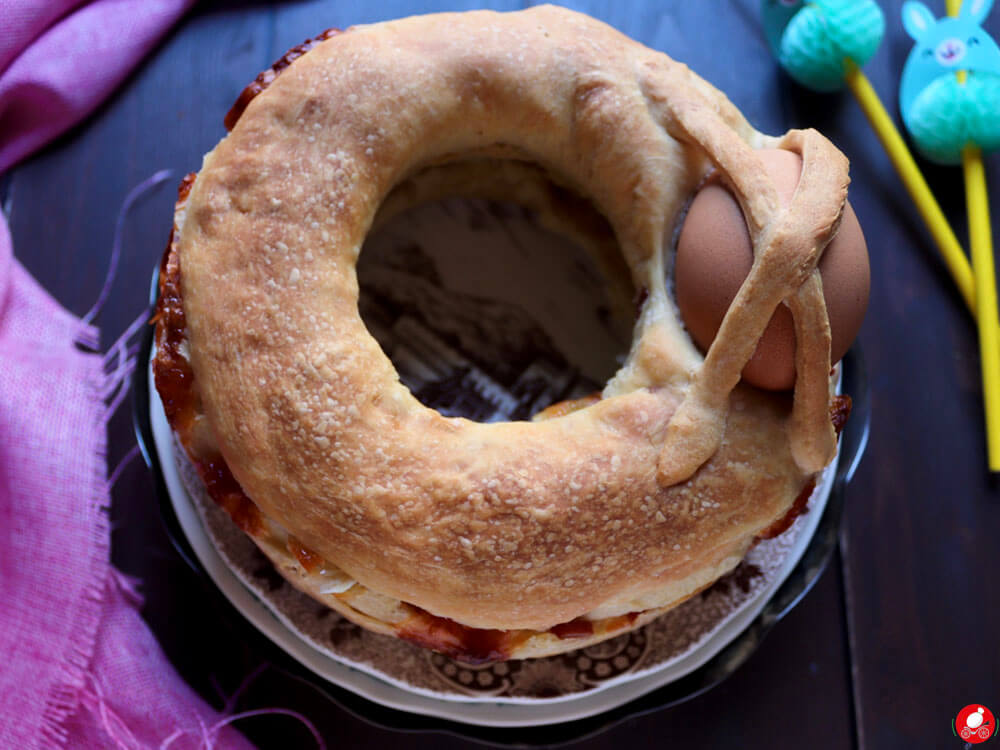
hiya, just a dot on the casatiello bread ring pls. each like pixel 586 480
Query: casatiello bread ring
pixel 488 541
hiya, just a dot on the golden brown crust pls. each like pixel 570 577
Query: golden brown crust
pixel 516 525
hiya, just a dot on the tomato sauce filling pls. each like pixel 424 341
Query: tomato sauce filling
pixel 175 383
pixel 309 560
pixel 480 645
pixel 469 645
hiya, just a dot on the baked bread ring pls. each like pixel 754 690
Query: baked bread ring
pixel 488 541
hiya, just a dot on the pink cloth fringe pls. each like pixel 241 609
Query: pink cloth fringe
pixel 61 58
pixel 80 668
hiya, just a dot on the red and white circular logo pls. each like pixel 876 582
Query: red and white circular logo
pixel 975 724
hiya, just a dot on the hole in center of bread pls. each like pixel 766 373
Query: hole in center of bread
pixel 494 292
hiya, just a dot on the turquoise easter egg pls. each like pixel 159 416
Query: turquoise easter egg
pixel 823 34
pixel 947 115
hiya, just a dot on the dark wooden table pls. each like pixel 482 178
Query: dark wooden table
pixel 898 634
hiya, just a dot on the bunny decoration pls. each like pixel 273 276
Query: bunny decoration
pixel 813 40
pixel 943 113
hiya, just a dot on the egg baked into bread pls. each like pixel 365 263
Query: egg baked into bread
pixel 503 540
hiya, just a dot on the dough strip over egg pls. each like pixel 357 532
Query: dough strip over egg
pixel 788 243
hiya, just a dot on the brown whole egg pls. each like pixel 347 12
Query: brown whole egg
pixel 714 255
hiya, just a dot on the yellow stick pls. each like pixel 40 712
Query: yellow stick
pixel 914 181
pixel 981 244
pixel 981 241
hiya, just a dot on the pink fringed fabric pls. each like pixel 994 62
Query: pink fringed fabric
pixel 79 668
pixel 61 58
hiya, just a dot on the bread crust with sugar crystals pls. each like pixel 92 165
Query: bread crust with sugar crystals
pixel 618 507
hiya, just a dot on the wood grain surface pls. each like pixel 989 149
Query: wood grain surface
pixel 897 636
